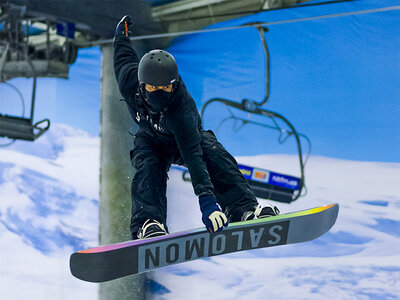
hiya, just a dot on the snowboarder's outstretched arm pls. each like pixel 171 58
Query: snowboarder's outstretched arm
pixel 126 60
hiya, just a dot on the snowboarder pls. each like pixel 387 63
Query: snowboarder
pixel 170 132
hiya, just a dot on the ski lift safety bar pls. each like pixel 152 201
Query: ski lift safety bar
pixel 265 184
pixel 19 128
pixel 270 185
pixel 273 178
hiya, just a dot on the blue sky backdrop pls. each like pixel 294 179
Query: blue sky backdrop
pixel 337 80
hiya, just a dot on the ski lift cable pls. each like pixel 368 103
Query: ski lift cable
pixel 255 11
pixel 297 20
pixel 150 25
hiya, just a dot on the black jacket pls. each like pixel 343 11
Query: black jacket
pixel 180 123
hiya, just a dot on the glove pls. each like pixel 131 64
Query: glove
pixel 212 216
pixel 122 26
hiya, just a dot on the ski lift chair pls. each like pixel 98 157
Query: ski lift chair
pixel 21 128
pixel 266 184
pixel 18 128
pixel 18 58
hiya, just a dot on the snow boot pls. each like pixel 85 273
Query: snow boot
pixel 151 228
pixel 261 211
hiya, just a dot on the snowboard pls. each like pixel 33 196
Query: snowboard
pixel 132 257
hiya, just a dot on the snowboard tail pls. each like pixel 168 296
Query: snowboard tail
pixel 132 257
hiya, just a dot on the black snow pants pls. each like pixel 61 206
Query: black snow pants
pixel 152 159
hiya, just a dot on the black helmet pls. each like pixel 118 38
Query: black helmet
pixel 158 68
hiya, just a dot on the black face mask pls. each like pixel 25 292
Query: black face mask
pixel 158 100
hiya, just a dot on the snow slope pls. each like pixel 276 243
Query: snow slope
pixel 49 208
pixel 358 259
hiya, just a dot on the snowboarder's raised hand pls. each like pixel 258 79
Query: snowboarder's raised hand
pixel 123 26
pixel 212 216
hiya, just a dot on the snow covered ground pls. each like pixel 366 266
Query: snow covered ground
pixel 358 259
pixel 49 208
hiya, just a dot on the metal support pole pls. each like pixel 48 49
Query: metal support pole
pixel 17 33
pixel 47 39
pixel 26 38
pixel 33 88
pixel 3 60
pixel 261 31
pixel 115 178
pixel 33 98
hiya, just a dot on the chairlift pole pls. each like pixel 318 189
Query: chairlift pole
pixel 33 99
pixel 261 31
pixel 33 89
pixel 47 40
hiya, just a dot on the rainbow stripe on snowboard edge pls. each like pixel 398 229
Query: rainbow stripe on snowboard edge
pixel 139 242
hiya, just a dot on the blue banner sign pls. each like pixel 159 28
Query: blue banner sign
pixel 269 177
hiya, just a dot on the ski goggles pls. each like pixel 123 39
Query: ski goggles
pixel 151 88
